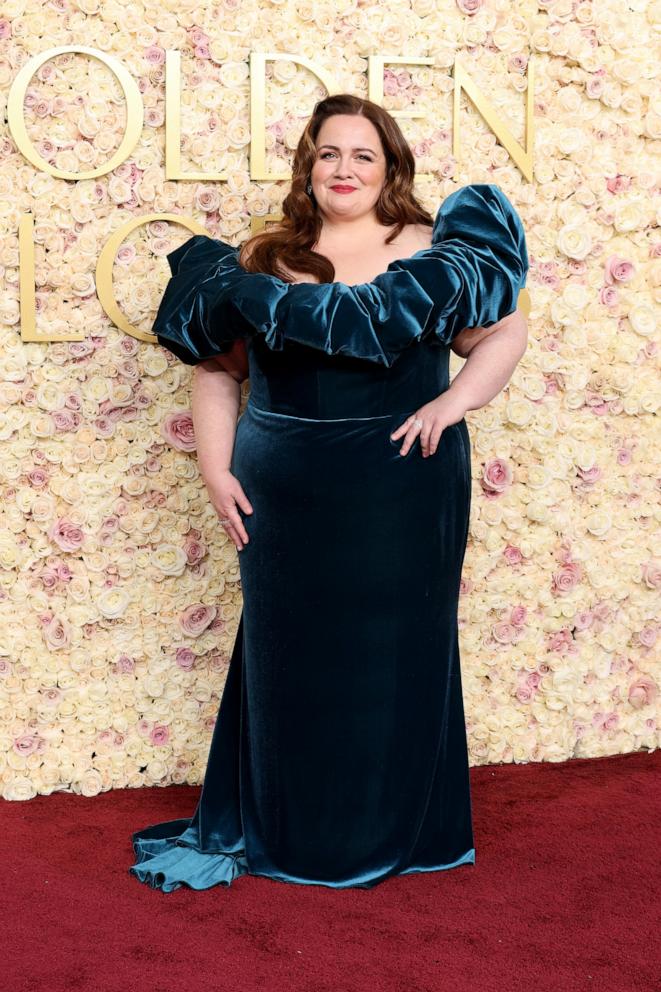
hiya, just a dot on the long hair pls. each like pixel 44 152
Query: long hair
pixel 290 244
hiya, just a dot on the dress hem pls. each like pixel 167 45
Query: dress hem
pixel 162 863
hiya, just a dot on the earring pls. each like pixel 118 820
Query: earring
pixel 308 189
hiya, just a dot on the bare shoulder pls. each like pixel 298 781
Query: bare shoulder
pixel 422 234
pixel 414 237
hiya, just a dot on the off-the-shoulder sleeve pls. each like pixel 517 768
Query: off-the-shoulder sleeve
pixel 471 276
pixel 185 322
pixel 481 244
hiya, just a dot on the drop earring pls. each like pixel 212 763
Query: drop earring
pixel 308 188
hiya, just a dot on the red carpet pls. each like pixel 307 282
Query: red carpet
pixel 563 897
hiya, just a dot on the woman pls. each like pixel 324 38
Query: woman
pixel 339 755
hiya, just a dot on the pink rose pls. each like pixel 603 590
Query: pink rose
pixel 218 624
pixel 618 270
pixel 605 721
pixel 609 296
pixel 195 619
pixel 198 36
pixel 29 744
pixel 589 475
pixel 67 535
pixel 49 578
pixel 512 555
pixel 594 88
pixel 517 63
pixel 80 349
pixel 566 578
pixel 105 427
pixel 469 7
pixel 643 692
pixel 647 636
pixel 154 55
pixel 160 734
pixel 179 431
pixel 64 420
pixel 185 659
pixel 195 550
pixel 519 615
pixel 524 693
pixel 618 184
pixel 124 665
pixel 561 642
pixel 652 573
pixel 56 634
pixel 503 632
pixel 496 475
pixel 390 87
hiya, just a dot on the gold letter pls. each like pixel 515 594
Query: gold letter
pixel 173 123
pixel 375 66
pixel 258 105
pixel 26 288
pixel 104 266
pixel 134 112
pixel 522 158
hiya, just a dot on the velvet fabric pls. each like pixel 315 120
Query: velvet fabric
pixel 339 756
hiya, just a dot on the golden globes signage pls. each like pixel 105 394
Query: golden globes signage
pixel 522 156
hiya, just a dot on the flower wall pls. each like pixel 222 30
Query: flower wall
pixel 119 591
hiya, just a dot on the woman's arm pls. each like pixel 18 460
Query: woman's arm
pixel 215 404
pixel 492 354
pixel 216 401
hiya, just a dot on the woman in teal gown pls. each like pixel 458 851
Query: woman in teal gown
pixel 339 756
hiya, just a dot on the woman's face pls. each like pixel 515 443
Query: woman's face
pixel 349 154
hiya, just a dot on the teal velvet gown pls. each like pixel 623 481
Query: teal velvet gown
pixel 339 755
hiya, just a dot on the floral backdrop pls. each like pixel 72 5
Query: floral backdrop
pixel 120 593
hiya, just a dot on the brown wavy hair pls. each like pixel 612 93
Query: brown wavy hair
pixel 290 244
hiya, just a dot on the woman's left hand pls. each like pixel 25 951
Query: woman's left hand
pixel 440 413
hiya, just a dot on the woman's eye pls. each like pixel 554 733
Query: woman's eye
pixel 366 157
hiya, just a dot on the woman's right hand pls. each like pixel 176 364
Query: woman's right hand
pixel 227 496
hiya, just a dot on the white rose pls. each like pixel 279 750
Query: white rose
pixel 642 319
pixel 112 603
pixel 575 242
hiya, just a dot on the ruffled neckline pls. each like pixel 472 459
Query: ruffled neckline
pixel 470 276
